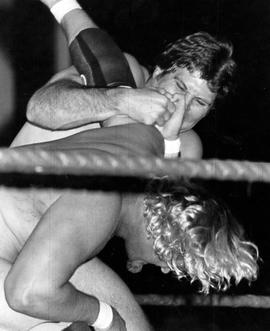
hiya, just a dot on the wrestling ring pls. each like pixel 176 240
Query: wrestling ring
pixel 42 162
pixel 73 163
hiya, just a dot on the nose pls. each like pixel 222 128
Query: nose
pixel 187 101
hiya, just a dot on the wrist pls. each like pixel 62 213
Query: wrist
pixel 105 317
pixel 49 3
pixel 119 98
pixel 172 148
pixel 60 8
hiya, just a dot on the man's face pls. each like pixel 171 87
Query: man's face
pixel 143 253
pixel 140 249
pixel 191 94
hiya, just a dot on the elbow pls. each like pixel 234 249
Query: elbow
pixel 25 298
pixel 17 294
pixel 30 110
pixel 36 113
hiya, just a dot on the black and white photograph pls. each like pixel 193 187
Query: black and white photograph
pixel 134 165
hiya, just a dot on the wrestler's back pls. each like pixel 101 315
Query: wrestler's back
pixel 31 134
pixel 129 139
pixel 21 209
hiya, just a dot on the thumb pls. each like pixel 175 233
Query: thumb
pixel 172 127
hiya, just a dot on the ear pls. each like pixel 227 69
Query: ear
pixel 157 72
pixel 165 270
pixel 134 266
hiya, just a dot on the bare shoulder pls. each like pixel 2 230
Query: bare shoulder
pixel 191 145
pixel 140 73
pixel 100 209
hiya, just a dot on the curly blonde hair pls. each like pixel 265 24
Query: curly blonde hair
pixel 197 236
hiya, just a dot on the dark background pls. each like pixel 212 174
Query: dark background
pixel 238 128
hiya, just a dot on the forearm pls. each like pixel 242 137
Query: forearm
pixel 112 290
pixel 66 104
pixel 74 22
pixel 64 304
pixel 94 53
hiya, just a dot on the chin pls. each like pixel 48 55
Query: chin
pixel 182 130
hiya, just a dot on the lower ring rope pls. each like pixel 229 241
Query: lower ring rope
pixel 251 301
pixel 85 163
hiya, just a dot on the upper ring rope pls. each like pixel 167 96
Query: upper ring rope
pixel 86 163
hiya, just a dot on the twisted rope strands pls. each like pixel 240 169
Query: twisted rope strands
pixel 85 163
pixel 251 301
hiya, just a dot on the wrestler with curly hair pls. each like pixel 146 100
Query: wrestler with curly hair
pixel 199 238
pixel 50 241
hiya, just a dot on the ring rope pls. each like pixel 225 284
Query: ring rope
pixel 85 163
pixel 77 163
pixel 215 300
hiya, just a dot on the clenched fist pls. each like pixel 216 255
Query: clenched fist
pixel 145 105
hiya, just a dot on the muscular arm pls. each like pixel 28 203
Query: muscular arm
pixel 9 319
pixel 93 278
pixel 63 103
pixel 102 63
pixel 111 289
pixel 74 229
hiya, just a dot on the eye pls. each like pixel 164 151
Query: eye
pixel 202 103
pixel 180 86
